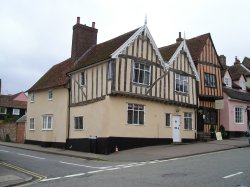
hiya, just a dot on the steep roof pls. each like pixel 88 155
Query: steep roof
pixel 55 77
pixel 246 62
pixel 197 44
pixel 168 51
pixel 102 51
pixel 8 101
pixel 243 96
pixel 237 70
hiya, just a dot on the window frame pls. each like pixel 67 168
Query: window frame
pixel 243 85
pixel 31 129
pixel 77 125
pixel 189 120
pixel 45 122
pixel 32 97
pixel 16 113
pixel 241 115
pixel 210 78
pixel 227 82
pixel 135 112
pixel 110 70
pixel 167 120
pixel 183 81
pixel 50 95
pixel 5 110
pixel 83 78
pixel 146 72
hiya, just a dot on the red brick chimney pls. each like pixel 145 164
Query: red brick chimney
pixel 83 38
pixel 180 39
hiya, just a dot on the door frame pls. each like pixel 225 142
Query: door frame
pixel 176 131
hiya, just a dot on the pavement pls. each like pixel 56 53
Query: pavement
pixel 10 176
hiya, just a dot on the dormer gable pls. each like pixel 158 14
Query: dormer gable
pixel 227 80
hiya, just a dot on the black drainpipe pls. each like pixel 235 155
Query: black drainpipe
pixel 68 114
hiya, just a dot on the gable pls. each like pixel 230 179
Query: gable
pixel 142 34
pixel 209 53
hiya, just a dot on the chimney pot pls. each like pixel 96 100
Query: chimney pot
pixel 93 24
pixel 179 34
pixel 78 20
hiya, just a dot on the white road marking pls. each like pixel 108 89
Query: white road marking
pixel 74 175
pixel 97 171
pixel 110 169
pixel 81 165
pixel 232 175
pixel 4 151
pixel 50 179
pixel 31 156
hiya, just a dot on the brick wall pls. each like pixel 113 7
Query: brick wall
pixel 20 132
pixel 8 128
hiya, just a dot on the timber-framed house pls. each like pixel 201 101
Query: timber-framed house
pixel 125 93
pixel 209 87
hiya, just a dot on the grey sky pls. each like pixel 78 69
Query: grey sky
pixel 35 35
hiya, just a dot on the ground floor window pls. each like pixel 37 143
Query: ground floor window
pixel 239 115
pixel 3 110
pixel 47 122
pixel 167 120
pixel 135 114
pixel 32 124
pixel 16 111
pixel 210 117
pixel 79 123
pixel 187 120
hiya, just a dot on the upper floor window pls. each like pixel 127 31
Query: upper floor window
pixel 210 80
pixel 3 110
pixel 141 73
pixel 32 97
pixel 181 83
pixel 135 114
pixel 167 123
pixel 110 69
pixel 50 95
pixel 187 120
pixel 16 111
pixel 79 123
pixel 32 124
pixel 47 122
pixel 82 79
pixel 243 85
pixel 227 82
pixel 239 115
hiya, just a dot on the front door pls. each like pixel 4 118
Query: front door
pixel 176 129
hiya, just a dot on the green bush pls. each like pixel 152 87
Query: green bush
pixel 223 132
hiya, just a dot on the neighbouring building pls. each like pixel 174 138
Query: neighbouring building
pixel 122 93
pixel 246 65
pixel 235 116
pixel 209 88
pixel 12 107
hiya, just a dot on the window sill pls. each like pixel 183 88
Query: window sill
pixel 47 129
pixel 141 84
pixel 78 130
pixel 181 93
pixel 188 130
pixel 168 127
pixel 135 124
pixel 31 129
pixel 50 99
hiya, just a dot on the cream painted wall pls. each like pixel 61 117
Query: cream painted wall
pixel 109 118
pixel 57 107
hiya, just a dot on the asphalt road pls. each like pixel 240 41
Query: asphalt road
pixel 227 168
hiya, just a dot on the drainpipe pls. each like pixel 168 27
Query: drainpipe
pixel 68 114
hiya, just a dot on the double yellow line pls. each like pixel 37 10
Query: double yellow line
pixel 37 176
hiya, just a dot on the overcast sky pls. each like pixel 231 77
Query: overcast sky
pixel 35 35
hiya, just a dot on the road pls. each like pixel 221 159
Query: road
pixel 226 168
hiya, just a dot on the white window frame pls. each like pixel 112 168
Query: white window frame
pixel 50 95
pixel 243 85
pixel 166 120
pixel 182 80
pixel 76 121
pixel 188 118
pixel 32 97
pixel 45 122
pixel 227 81
pixel 83 78
pixel 5 110
pixel 110 68
pixel 16 111
pixel 239 112
pixel 32 124
pixel 210 80
pixel 145 71
pixel 140 109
